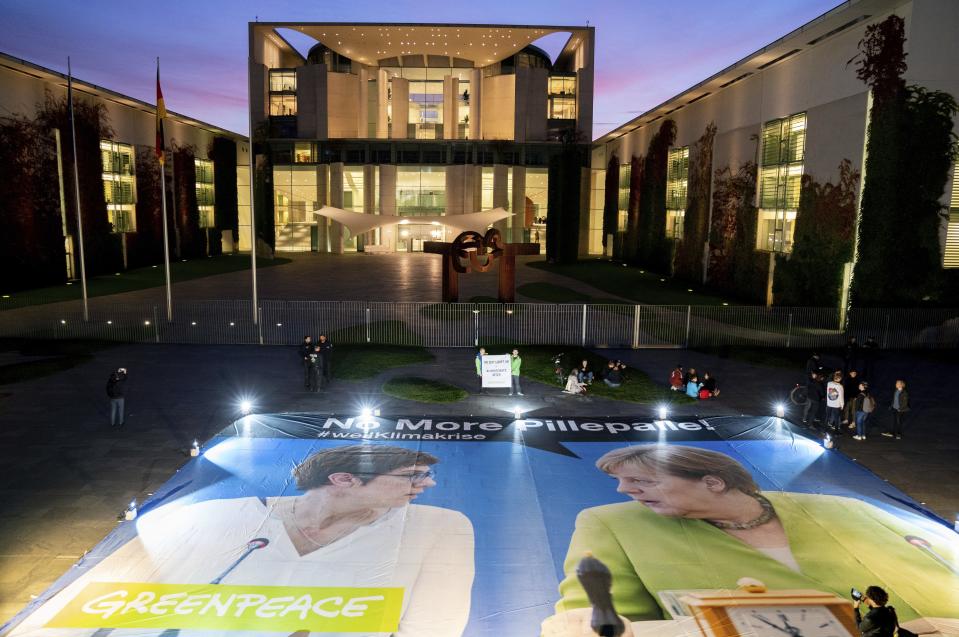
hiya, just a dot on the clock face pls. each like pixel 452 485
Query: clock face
pixel 786 621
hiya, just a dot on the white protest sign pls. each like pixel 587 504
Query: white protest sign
pixel 496 371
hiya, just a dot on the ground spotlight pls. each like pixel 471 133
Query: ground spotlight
pixel 195 448
pixel 131 512
pixel 827 441
pixel 663 412
pixel 780 410
pixel 366 413
pixel 517 412
pixel 246 406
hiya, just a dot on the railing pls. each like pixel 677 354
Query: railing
pixel 469 324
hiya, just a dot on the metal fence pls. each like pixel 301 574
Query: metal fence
pixel 467 324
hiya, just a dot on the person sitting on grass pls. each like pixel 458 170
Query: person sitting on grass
pixel 614 375
pixel 676 379
pixel 709 386
pixel 692 387
pixel 573 384
pixel 585 373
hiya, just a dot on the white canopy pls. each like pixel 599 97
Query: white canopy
pixel 358 223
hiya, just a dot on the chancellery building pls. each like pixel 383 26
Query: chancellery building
pixel 415 120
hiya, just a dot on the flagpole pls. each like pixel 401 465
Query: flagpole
pixel 249 82
pixel 160 155
pixel 76 186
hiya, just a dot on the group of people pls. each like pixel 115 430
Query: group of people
pixel 690 383
pixel 515 368
pixel 316 359
pixel 844 397
pixel 580 378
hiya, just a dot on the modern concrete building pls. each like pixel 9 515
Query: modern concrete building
pixel 795 107
pixel 120 159
pixel 413 120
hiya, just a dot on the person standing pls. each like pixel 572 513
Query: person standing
pixel 814 397
pixel 115 390
pixel 314 369
pixel 835 401
pixel 864 405
pixel 479 368
pixel 326 351
pixel 515 364
pixel 870 352
pixel 850 387
pixel 850 355
pixel 306 348
pixel 899 407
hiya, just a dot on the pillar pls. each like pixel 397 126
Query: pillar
pixel 388 203
pixel 501 194
pixel 401 107
pixel 519 204
pixel 451 85
pixel 322 199
pixel 336 200
pixel 382 102
pixel 476 88
pixel 363 108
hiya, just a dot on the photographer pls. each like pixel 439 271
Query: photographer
pixel 115 391
pixel 880 620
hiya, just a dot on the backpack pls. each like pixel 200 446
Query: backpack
pixel 868 404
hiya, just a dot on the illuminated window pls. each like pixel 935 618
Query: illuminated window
pixel 597 199
pixel 677 181
pixel 303 153
pixel 562 97
pixel 950 256
pixel 622 199
pixel 282 92
pixel 119 185
pixel 282 105
pixel 780 181
pixel 204 192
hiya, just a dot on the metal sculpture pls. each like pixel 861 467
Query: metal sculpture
pixel 472 252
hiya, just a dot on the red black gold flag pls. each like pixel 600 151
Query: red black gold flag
pixel 161 115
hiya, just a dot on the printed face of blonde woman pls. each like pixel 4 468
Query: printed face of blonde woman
pixel 394 489
pixel 668 495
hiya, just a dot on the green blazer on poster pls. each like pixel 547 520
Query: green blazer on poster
pixel 838 542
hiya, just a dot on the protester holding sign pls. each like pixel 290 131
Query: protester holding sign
pixel 515 364
pixel 479 368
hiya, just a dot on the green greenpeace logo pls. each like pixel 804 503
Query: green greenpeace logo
pixel 221 607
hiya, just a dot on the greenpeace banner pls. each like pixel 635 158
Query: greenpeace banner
pixel 439 527
pixel 497 370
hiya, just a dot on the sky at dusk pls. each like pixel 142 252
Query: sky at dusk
pixel 646 50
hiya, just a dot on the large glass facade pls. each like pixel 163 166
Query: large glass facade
pixel 780 181
pixel 426 117
pixel 205 199
pixel 537 205
pixel 562 97
pixel 420 191
pixel 282 92
pixel 622 196
pixel 294 192
pixel 243 206
pixel 950 255
pixel 119 184
pixel 677 183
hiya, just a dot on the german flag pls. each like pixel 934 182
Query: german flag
pixel 161 115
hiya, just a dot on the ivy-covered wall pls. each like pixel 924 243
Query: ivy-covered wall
pixel 610 199
pixel 31 236
pixel 637 171
pixel 688 261
pixel 145 246
pixel 564 193
pixel 192 240
pixel 910 149
pixel 735 267
pixel 653 249
pixel 822 242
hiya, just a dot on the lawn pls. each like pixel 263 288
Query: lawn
pixel 638 388
pixel 137 279
pixel 423 390
pixel 635 284
pixel 62 355
pixel 552 293
pixel 356 362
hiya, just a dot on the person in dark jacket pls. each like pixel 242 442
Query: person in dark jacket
pixel 899 407
pixel 815 394
pixel 813 364
pixel 314 369
pixel 850 387
pixel 305 349
pixel 115 390
pixel 870 352
pixel 326 350
pixel 850 355
pixel 880 620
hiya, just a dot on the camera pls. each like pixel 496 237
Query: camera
pixel 855 594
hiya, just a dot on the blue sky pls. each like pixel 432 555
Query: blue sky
pixel 646 50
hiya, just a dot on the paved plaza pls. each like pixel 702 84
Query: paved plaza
pixel 67 475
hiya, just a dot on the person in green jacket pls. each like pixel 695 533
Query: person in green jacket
pixel 479 368
pixel 515 363
pixel 697 520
